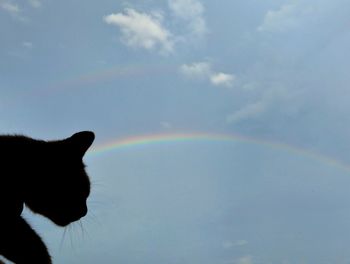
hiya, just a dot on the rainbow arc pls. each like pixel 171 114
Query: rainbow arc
pixel 166 138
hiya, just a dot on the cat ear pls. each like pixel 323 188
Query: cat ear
pixel 81 141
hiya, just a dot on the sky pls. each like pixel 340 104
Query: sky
pixel 266 81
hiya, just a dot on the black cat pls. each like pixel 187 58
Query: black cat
pixel 50 179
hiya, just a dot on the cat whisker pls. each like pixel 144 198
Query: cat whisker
pixel 104 203
pixel 93 219
pixel 97 185
pixel 28 184
pixel 70 228
pixel 82 229
pixel 63 238
pixel 96 202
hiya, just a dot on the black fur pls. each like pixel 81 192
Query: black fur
pixel 49 178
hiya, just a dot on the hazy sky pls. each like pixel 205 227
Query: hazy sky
pixel 275 71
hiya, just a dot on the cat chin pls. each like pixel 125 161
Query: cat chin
pixel 63 222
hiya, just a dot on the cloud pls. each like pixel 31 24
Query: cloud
pixel 141 30
pixel 203 70
pixel 35 3
pixel 280 20
pixel 269 99
pixel 245 260
pixel 196 70
pixel 147 31
pixel 191 11
pixel 249 111
pixel 10 7
pixel 27 44
pixel 166 125
pixel 13 9
pixel 223 79
pixel 232 244
pixel 241 243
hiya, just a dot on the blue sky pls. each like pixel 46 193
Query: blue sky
pixel 272 70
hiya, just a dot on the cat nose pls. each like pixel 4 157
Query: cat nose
pixel 77 213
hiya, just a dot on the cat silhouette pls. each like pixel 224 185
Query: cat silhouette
pixel 49 178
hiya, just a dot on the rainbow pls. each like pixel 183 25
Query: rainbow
pixel 89 78
pixel 188 137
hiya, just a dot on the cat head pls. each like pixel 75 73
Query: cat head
pixel 60 185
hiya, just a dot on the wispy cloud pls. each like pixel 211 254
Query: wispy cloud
pixel 232 244
pixel 251 110
pixel 27 44
pixel 191 11
pixel 13 9
pixel 280 20
pixel 10 7
pixel 254 110
pixel 35 3
pixel 223 79
pixel 147 30
pixel 141 30
pixel 245 260
pixel 200 70
pixel 166 125
pixel 203 70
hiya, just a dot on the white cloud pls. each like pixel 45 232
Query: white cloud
pixel 147 30
pixel 203 70
pixel 35 3
pixel 270 98
pixel 280 20
pixel 232 244
pixel 223 79
pixel 166 125
pixel 249 111
pixel 27 44
pixel 186 9
pixel 10 7
pixel 141 30
pixel 192 12
pixel 196 70
pixel 245 260
pixel 13 9
pixel 241 243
